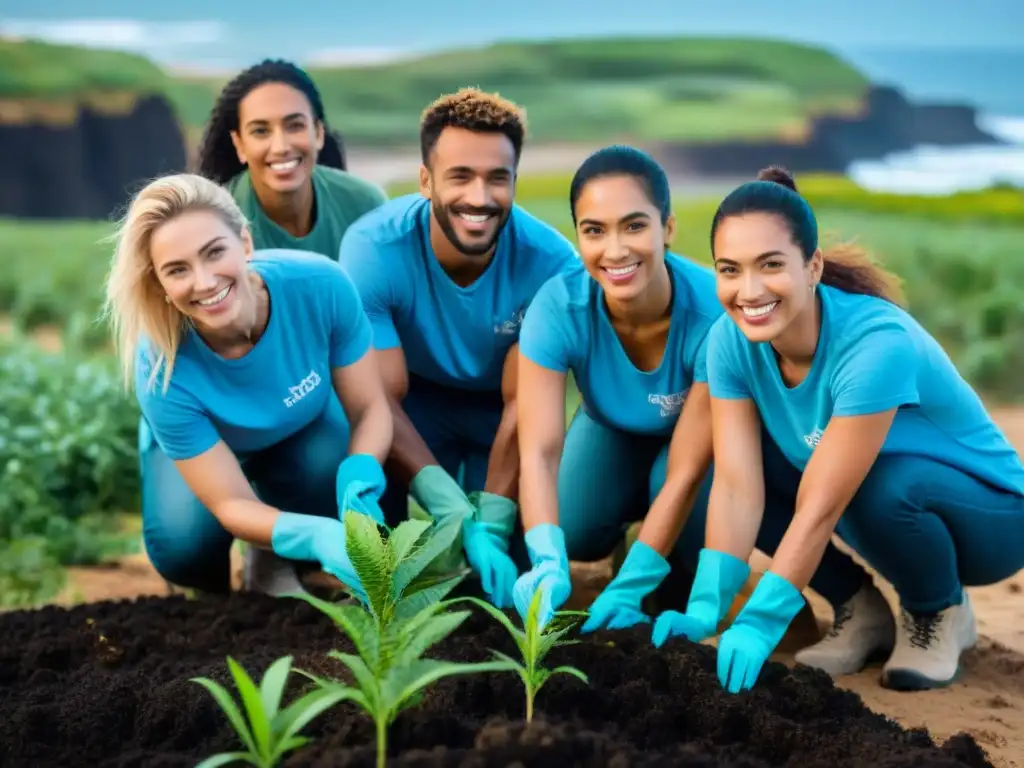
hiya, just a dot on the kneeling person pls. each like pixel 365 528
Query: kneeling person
pixel 446 276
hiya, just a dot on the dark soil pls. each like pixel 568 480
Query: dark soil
pixel 107 685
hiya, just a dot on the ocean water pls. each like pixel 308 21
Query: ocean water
pixel 944 170
pixel 990 80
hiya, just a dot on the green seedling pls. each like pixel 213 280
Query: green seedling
pixel 405 614
pixel 534 644
pixel 267 731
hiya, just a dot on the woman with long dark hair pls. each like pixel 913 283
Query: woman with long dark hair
pixel 268 141
pixel 833 410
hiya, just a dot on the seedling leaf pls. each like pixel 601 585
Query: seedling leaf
pixel 403 540
pixel 441 536
pixel 353 620
pixel 226 758
pixel 412 604
pixel 234 715
pixel 273 684
pixel 367 552
pixel 253 703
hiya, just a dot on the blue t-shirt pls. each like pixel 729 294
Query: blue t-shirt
pixel 452 335
pixel 871 356
pixel 281 385
pixel 568 328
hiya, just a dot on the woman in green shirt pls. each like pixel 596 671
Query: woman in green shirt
pixel 268 142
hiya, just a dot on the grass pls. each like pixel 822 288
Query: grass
pixel 38 70
pixel 649 89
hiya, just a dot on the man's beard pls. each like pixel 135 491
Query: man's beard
pixel 443 215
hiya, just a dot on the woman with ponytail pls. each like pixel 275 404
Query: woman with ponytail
pixel 268 141
pixel 833 410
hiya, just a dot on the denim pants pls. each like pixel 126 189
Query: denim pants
pixel 926 527
pixel 458 427
pixel 186 543
pixel 607 480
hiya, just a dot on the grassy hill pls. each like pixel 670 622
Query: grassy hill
pixel 628 89
pixel 46 72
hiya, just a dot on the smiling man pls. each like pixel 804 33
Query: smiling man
pixel 445 277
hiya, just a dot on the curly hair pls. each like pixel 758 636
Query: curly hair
pixel 473 110
pixel 218 160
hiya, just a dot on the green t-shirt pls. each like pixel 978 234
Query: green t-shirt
pixel 341 198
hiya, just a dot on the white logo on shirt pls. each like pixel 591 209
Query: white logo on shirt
pixel 510 327
pixel 814 438
pixel 670 405
pixel 302 389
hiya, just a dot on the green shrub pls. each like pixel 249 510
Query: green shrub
pixel 68 461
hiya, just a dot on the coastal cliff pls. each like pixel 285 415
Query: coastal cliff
pixel 886 123
pixel 88 164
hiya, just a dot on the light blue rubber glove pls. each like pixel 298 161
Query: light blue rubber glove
pixel 718 580
pixel 321 539
pixel 618 605
pixel 359 484
pixel 486 539
pixel 440 495
pixel 545 544
pixel 758 629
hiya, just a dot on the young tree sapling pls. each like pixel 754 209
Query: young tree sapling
pixel 266 731
pixel 534 643
pixel 404 615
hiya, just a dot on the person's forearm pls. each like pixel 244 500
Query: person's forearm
pixel 373 431
pixel 668 514
pixel 802 547
pixel 538 490
pixel 409 452
pixel 503 463
pixel 248 520
pixel 734 518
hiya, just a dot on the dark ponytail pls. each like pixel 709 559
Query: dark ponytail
pixel 218 160
pixel 845 267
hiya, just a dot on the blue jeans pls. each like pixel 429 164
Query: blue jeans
pixel 927 528
pixel 608 480
pixel 186 543
pixel 458 427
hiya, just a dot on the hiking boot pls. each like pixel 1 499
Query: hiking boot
pixel 266 572
pixel 863 629
pixel 928 648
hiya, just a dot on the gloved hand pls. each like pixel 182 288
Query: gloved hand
pixel 618 605
pixel 439 494
pixel 718 579
pixel 359 484
pixel 756 632
pixel 321 539
pixel 486 540
pixel 545 544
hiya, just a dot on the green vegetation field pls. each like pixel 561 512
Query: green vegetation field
pixel 606 89
pixel 67 432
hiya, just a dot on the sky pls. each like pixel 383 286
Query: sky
pixel 203 34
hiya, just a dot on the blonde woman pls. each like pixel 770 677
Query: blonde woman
pixel 252 372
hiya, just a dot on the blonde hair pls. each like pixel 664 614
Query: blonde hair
pixel 135 301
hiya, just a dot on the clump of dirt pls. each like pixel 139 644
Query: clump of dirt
pixel 107 685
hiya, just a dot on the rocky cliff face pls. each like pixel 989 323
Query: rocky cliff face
pixel 888 123
pixel 91 167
